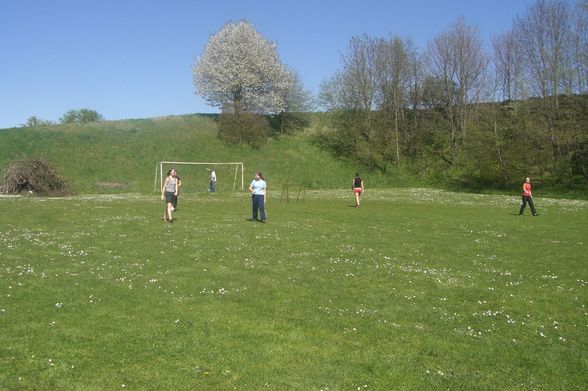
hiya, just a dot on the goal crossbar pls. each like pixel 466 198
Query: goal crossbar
pixel 159 170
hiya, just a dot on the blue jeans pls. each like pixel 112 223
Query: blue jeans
pixel 258 204
pixel 212 183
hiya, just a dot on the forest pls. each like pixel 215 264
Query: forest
pixel 459 113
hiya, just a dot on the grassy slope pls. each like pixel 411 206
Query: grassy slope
pixel 120 156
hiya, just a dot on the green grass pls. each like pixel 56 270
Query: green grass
pixel 418 289
pixel 118 157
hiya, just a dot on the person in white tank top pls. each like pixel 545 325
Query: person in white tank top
pixel 169 191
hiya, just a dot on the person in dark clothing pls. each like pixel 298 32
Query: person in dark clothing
pixel 358 188
pixel 178 185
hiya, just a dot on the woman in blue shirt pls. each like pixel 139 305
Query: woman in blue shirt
pixel 258 189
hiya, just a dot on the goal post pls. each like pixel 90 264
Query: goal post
pixel 159 170
pixel 286 191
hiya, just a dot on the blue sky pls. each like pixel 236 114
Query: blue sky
pixel 133 58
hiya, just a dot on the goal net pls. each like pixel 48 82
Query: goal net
pixel 195 176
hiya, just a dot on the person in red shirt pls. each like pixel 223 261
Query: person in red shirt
pixel 527 198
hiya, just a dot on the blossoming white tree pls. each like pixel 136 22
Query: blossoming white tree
pixel 241 71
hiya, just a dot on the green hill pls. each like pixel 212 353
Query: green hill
pixel 121 156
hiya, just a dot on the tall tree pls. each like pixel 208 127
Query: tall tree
pixel 457 61
pixel 351 94
pixel 393 70
pixel 241 70
pixel 508 67
pixel 369 96
pixel 297 101
pixel 580 49
pixel 543 34
pixel 547 41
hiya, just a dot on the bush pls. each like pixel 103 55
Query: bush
pixel 82 116
pixel 243 128
pixel 33 176
pixel 34 121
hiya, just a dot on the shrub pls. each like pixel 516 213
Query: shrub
pixel 33 176
pixel 243 128
pixel 82 116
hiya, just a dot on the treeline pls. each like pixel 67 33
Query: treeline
pixel 455 112
pixel 81 116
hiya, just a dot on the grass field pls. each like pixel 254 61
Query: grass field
pixel 419 289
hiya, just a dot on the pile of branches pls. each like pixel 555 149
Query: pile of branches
pixel 33 177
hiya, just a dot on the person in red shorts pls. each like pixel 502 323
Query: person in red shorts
pixel 527 198
pixel 357 187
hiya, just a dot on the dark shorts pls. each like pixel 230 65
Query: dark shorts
pixel 169 197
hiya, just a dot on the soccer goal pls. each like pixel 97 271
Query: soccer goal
pixel 196 175
pixel 286 191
